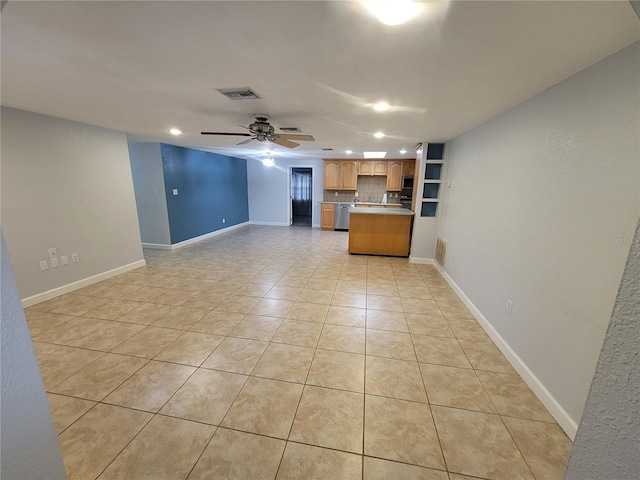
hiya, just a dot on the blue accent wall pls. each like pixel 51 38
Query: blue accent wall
pixel 210 187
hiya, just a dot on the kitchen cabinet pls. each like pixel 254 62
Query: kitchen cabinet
pixel 332 175
pixel 349 174
pixel 408 168
pixel 327 216
pixel 394 175
pixel 378 231
pixel 372 167
pixel 340 174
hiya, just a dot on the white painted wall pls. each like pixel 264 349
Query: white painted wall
pixel 68 186
pixel 30 446
pixel 543 204
pixel 269 189
pixel 151 202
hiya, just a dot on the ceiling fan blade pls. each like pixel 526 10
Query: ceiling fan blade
pixel 246 141
pixel 283 142
pixel 295 136
pixel 226 133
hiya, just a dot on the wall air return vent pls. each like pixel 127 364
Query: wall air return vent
pixel 242 93
pixel 441 251
pixel 290 129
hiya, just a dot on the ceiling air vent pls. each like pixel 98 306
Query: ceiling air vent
pixel 327 149
pixel 290 129
pixel 243 93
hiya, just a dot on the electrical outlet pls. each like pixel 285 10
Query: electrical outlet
pixel 75 258
pixel 336 194
pixel 44 265
pixel 175 191
pixel 509 306
pixel 53 253
pixel 64 260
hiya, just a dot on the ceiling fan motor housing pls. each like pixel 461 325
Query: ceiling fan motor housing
pixel 263 129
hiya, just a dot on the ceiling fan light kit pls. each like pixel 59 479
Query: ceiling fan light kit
pixel 262 131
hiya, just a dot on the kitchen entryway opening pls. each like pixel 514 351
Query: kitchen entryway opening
pixel 301 196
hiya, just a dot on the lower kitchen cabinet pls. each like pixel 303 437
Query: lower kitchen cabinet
pixel 327 216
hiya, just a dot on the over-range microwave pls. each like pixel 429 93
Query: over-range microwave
pixel 407 181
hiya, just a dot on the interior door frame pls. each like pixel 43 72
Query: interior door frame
pixel 313 189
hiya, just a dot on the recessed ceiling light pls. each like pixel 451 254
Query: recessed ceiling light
pixel 394 12
pixel 374 154
pixel 403 151
pixel 381 106
pixel 175 131
pixel 348 152
pixel 378 134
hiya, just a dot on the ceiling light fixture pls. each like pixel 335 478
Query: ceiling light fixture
pixel 349 152
pixel 403 151
pixel 268 161
pixel 374 154
pixel 394 12
pixel 378 134
pixel 381 106
pixel 175 131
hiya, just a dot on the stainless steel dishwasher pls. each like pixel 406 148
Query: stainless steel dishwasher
pixel 342 216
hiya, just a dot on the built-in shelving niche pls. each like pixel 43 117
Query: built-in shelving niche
pixel 432 179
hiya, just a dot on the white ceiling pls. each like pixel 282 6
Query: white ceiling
pixel 143 67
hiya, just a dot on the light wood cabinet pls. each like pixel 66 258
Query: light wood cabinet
pixel 327 216
pixel 340 174
pixel 394 175
pixel 349 175
pixel 332 175
pixel 372 167
pixel 365 167
pixel 379 167
pixel 408 168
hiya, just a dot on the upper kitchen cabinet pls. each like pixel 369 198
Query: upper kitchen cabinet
pixel 349 171
pixel 332 175
pixel 408 168
pixel 394 175
pixel 372 167
pixel 340 174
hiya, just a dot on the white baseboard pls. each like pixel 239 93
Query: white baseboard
pixel 85 282
pixel 271 224
pixel 156 246
pixel 423 261
pixel 568 424
pixel 190 241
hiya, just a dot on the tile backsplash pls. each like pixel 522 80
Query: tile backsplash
pixel 370 189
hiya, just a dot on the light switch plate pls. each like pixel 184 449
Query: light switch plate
pixel 64 260
pixel 54 263
pixel 44 265
pixel 175 191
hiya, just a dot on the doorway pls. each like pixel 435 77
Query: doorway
pixel 301 196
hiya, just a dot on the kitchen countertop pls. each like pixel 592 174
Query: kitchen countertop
pixel 381 211
pixel 362 203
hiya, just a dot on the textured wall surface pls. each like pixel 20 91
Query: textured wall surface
pixel 30 447
pixel 541 200
pixel 608 442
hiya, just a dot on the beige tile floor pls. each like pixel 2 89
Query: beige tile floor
pixel 269 352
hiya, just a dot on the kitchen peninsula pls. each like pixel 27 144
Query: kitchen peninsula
pixel 380 231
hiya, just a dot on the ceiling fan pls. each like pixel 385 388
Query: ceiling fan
pixel 262 131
